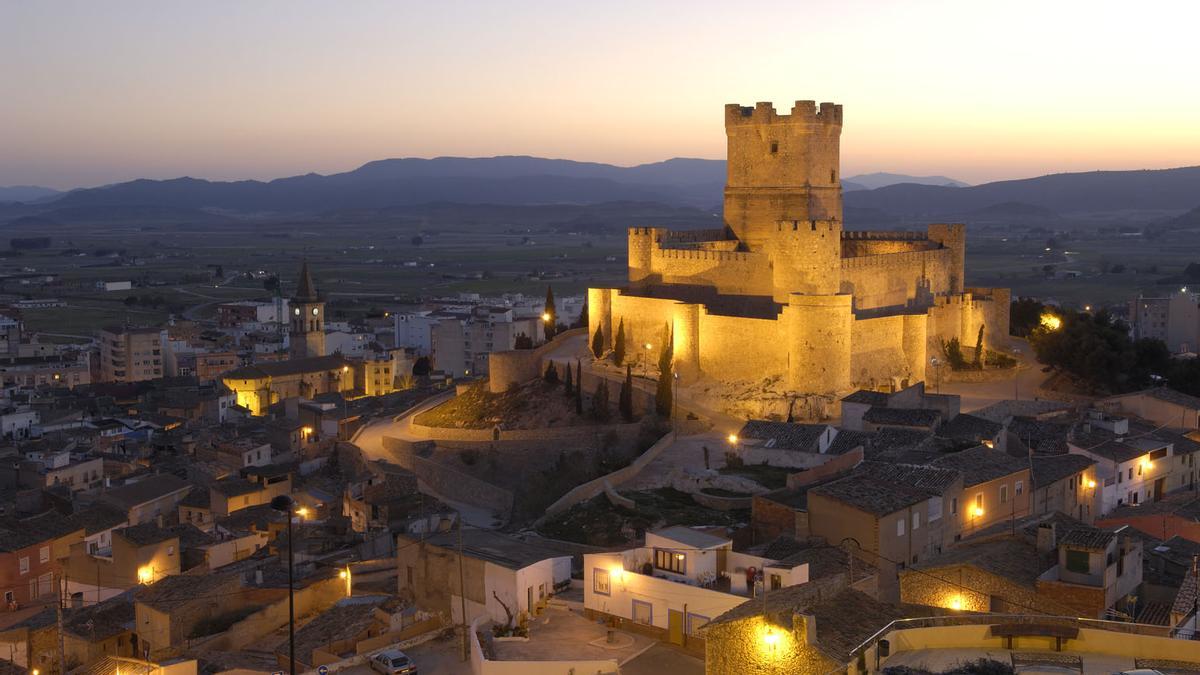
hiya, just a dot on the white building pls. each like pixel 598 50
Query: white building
pixel 680 580
pixel 1130 468
pixel 414 330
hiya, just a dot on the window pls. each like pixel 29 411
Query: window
pixel 776 582
pixel 643 612
pixel 601 582
pixel 25 565
pixel 1003 494
pixel 44 554
pixel 774 147
pixel 900 527
pixel 916 525
pixel 1071 484
pixel 1020 487
pixel 954 506
pixel 170 550
pixel 670 561
pixel 979 501
pixel 1077 561
pixel 935 508
pixel 694 622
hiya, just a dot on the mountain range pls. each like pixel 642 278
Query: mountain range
pixel 514 180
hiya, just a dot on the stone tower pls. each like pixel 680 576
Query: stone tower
pixel 307 333
pixel 781 167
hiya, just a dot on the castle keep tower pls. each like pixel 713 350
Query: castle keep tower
pixel 307 332
pixel 781 167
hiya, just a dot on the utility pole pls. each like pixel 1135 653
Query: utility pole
pixel 462 590
pixel 62 651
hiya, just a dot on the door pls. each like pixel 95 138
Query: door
pixel 1158 488
pixel 675 626
pixel 529 599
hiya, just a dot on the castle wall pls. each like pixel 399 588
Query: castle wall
pixel 732 272
pixel 991 307
pixel 877 351
pixel 600 313
pixel 734 348
pixel 819 342
pixel 646 321
pixel 805 257
pixel 854 248
pixel 890 280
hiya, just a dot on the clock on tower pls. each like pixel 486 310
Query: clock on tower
pixel 307 334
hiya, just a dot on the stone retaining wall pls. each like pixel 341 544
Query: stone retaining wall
pixel 586 491
pixel 518 366
pixel 722 503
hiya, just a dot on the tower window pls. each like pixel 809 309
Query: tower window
pixel 833 175
pixel 774 147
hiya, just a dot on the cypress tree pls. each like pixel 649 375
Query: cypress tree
pixel 663 394
pixel 979 348
pixel 598 343
pixel 551 374
pixel 619 344
pixel 549 315
pixel 582 321
pixel 626 398
pixel 600 401
pixel 578 387
pixel 569 381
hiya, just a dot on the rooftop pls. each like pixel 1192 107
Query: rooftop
pixel 981 464
pixel 1090 538
pixel 19 533
pixel 1048 469
pixel 1013 558
pixel 313 364
pixel 904 417
pixel 876 493
pixel 147 489
pixel 873 398
pixel 144 534
pixel 969 427
pixel 691 537
pixel 784 435
pixel 494 547
pixel 176 591
pixel 235 486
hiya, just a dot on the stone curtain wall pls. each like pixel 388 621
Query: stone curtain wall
pixel 517 366
pixel 891 280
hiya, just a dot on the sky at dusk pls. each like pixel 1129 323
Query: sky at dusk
pixel 99 92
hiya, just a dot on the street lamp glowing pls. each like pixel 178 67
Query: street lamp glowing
pixel 956 602
pixel 770 639
pixel 1146 463
pixel 307 431
pixel 345 369
pixel 302 511
pixel 1091 484
pixel 977 511
pixel 145 575
pixel 617 573
pixel 546 317
pixel 733 439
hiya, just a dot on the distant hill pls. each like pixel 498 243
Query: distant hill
pixel 871 181
pixel 680 182
pixel 1062 193
pixel 26 193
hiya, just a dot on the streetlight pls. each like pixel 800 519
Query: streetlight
pixel 646 360
pixel 285 504
pixel 345 574
pixel 675 405
pixel 937 365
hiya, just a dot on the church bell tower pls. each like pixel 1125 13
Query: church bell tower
pixel 307 334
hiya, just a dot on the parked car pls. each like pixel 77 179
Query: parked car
pixel 393 662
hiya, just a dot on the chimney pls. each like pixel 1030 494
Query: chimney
pixel 1047 539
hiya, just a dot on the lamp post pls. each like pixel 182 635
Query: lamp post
pixel 1016 373
pixel 675 405
pixel 937 365
pixel 285 504
pixel 646 360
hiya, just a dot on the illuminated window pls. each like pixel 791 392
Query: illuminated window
pixel 601 582
pixel 670 561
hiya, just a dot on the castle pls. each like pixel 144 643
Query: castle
pixel 782 290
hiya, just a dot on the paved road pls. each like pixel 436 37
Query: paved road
pixel 662 659
pixel 977 395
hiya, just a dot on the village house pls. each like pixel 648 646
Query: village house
pixel 30 551
pixel 1130 468
pixel 678 581
pixel 1065 483
pixel 1161 405
pixel 168 611
pixel 89 634
pixel 995 487
pixel 505 578
pixel 147 498
pixel 140 554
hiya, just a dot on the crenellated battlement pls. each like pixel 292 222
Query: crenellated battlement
pixel 808 226
pixel 885 260
pixel 702 254
pixel 887 235
pixel 803 112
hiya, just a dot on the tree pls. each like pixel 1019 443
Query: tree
pixel 978 363
pixel 568 382
pixel 598 343
pixel 421 368
pixel 954 355
pixel 522 341
pixel 663 395
pixel 550 315
pixel 582 320
pixel 619 344
pixel 551 374
pixel 625 402
pixel 578 387
pixel 600 401
pixel 1024 315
